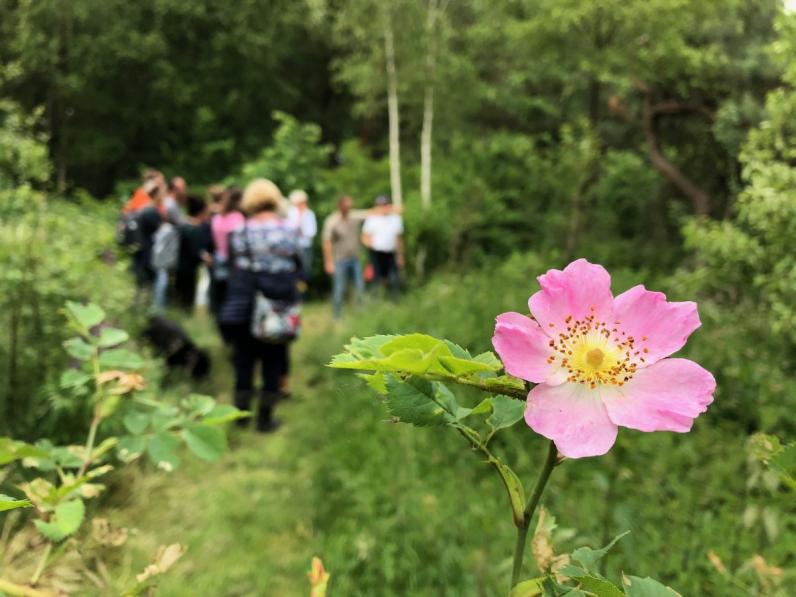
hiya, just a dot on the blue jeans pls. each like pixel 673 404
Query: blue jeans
pixel 306 260
pixel 160 288
pixel 343 270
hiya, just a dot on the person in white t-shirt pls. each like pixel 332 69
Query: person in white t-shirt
pixel 382 234
pixel 303 219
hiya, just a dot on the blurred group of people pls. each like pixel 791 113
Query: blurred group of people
pixel 240 247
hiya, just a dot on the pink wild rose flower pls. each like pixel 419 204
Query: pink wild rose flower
pixel 600 361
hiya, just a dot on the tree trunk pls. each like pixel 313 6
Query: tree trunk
pixel 700 200
pixel 428 109
pixel 392 108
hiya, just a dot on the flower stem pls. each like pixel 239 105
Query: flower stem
pixel 92 431
pixel 89 448
pixel 42 564
pixel 15 590
pixel 530 509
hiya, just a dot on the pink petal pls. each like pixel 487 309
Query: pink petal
pixel 523 348
pixel 666 396
pixel 573 416
pixel 666 326
pixel 582 289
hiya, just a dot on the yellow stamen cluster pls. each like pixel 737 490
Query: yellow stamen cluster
pixel 596 352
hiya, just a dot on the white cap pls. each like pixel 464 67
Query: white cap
pixel 297 197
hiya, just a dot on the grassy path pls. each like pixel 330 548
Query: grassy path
pixel 244 518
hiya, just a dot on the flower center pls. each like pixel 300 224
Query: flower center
pixel 596 353
pixel 595 357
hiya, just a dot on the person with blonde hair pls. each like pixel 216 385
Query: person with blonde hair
pixel 264 258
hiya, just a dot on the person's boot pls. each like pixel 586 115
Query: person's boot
pixel 265 416
pixel 243 401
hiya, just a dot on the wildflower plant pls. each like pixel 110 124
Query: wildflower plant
pixel 579 366
pixel 56 482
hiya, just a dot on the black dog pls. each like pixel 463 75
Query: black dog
pixel 172 342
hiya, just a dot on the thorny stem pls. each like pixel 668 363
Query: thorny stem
pixel 530 508
pixel 514 392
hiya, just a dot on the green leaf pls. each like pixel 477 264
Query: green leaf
pixel 647 587
pixel 136 422
pixel 416 354
pixel 445 398
pixel 490 359
pixel 505 412
pixel 514 488
pixel 131 447
pixel 528 588
pixel 783 463
pixel 166 417
pixel 112 337
pixel 482 408
pixel 224 413
pixel 207 442
pixel 73 378
pixel 365 348
pixel 589 557
pixel 413 402
pixel 65 521
pixel 462 367
pixel 120 358
pixel 572 571
pixel 11 450
pixel 599 587
pixel 77 348
pixel 458 351
pixel 376 381
pixel 9 503
pixel 163 451
pixel 85 316
pixel 422 342
pixel 198 404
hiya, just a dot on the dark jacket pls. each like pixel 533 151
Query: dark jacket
pixel 264 257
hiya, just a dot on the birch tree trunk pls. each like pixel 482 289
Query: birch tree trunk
pixel 428 108
pixel 392 109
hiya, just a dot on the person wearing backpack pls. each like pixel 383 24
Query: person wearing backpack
pixel 130 228
pixel 196 248
pixel 160 243
pixel 165 254
pixel 261 308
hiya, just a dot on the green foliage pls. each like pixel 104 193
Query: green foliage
pixel 9 503
pixel 295 160
pixel 23 152
pixel 66 519
pixel 188 84
pixel 60 478
pixel 779 458
pixel 51 251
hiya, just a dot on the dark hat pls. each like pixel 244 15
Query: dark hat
pixel 383 200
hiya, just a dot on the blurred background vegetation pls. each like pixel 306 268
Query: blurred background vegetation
pixel 654 136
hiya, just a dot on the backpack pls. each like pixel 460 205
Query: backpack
pixel 165 247
pixel 128 231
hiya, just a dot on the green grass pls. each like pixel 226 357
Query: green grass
pixel 394 510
